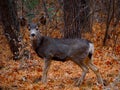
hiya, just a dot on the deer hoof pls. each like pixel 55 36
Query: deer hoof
pixel 37 80
pixel 100 81
pixel 43 80
pixel 77 83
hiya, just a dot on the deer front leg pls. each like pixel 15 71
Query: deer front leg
pixel 45 70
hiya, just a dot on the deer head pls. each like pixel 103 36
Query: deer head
pixel 35 34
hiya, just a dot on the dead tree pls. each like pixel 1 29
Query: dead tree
pixel 110 15
pixel 76 14
pixel 11 25
pixel 45 8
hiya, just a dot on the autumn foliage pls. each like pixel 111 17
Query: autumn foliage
pixel 21 75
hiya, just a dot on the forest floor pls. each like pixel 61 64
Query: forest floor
pixel 61 75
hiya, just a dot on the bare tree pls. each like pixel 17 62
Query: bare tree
pixel 76 14
pixel 109 12
pixel 11 26
pixel 110 15
pixel 45 8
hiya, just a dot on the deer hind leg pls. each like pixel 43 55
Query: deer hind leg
pixel 95 70
pixel 46 67
pixel 84 72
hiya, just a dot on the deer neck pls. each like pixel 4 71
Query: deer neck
pixel 36 42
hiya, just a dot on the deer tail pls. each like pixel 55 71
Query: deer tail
pixel 91 51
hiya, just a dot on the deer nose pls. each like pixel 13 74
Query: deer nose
pixel 32 34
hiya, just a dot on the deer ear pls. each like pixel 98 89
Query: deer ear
pixel 28 26
pixel 42 19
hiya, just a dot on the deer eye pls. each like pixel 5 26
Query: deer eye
pixel 29 29
pixel 36 28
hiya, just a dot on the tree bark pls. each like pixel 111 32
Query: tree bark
pixel 11 25
pixel 110 15
pixel 75 15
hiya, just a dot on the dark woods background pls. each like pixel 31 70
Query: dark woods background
pixel 95 20
pixel 71 17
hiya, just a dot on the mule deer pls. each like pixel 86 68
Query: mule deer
pixel 76 50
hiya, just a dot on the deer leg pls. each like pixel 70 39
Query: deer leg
pixel 45 70
pixel 96 71
pixel 84 72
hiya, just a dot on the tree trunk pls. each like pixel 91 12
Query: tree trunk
pixel 10 25
pixel 75 16
pixel 110 15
